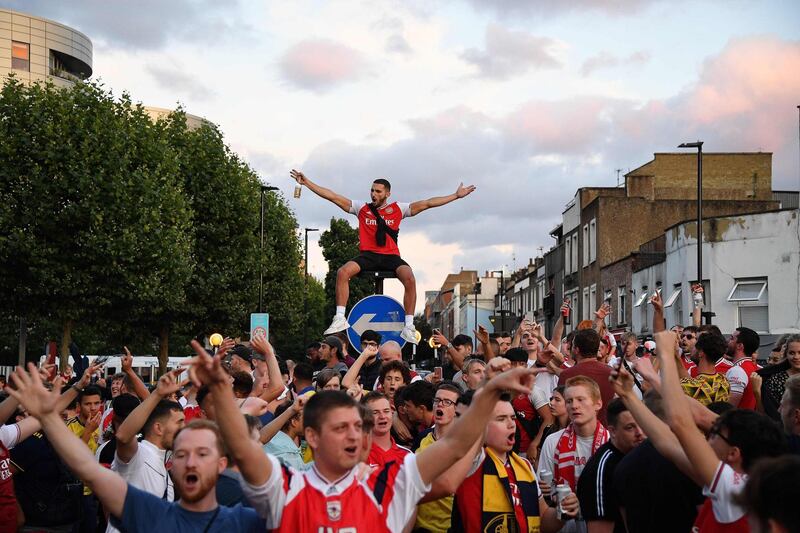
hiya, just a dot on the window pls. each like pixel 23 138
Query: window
pixel 622 293
pixel 676 303
pixel 592 240
pixel 747 290
pixel 752 299
pixel 642 297
pixel 585 313
pixel 586 245
pixel 676 292
pixel 568 255
pixel 20 56
pixel 574 252
pixel 592 300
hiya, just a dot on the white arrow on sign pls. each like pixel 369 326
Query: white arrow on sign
pixel 364 323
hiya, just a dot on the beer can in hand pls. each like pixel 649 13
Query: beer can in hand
pixel 297 190
pixel 562 491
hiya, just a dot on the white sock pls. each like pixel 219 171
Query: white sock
pixel 340 311
pixel 409 320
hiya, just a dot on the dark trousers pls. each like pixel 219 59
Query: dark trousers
pixel 88 521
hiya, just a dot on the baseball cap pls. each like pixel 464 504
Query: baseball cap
pixel 333 342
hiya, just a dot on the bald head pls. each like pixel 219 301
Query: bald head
pixel 390 351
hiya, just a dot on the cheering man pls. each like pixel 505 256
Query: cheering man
pixel 378 226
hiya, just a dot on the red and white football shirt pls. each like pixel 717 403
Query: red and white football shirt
pixel 392 213
pixel 379 457
pixel 292 500
pixel 719 513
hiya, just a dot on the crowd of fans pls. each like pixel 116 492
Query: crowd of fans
pixel 575 432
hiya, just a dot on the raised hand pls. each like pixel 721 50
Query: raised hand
pixel 227 344
pixel 463 191
pixel 355 391
pixel 86 378
pixel 438 338
pixel 657 302
pixel 31 392
pixel 621 380
pixel 482 334
pixel 298 176
pixel 667 339
pixel 644 367
pixel 515 381
pixel 93 422
pixel 603 312
pixel 496 366
pixel 168 383
pixel 370 351
pixel 204 369
pixel 262 345
pixel 127 360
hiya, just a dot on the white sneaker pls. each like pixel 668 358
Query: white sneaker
pixel 339 324
pixel 409 334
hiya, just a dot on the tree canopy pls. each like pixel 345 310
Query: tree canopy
pixel 116 229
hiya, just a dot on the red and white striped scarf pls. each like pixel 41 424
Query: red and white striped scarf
pixel 567 450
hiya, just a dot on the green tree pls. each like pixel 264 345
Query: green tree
pixel 92 208
pixel 225 199
pixel 339 245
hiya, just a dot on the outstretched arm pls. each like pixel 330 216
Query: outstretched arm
pixel 127 445
pixel 351 377
pixel 139 388
pixel 438 201
pixel 336 198
pixel 442 454
pixel 41 404
pixel 255 466
pixel 680 420
pixel 276 386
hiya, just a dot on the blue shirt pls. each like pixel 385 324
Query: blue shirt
pixel 147 513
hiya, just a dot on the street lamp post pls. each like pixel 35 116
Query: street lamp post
pixel 476 290
pixel 699 146
pixel 502 294
pixel 305 288
pixel 264 189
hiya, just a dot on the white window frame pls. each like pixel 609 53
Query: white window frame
pixel 585 250
pixel 592 299
pixel 676 292
pixel 593 240
pixel 568 255
pixel 622 295
pixel 574 253
pixel 761 281
pixel 585 302
pixel 642 298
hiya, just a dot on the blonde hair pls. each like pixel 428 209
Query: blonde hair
pixel 590 384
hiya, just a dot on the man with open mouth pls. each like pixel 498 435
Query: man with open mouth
pixel 331 494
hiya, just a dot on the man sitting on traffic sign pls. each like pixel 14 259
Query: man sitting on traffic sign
pixel 378 226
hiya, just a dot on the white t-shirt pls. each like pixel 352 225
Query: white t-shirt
pixel 726 485
pixel 583 453
pixel 9 435
pixel 546 383
pixel 538 398
pixel 147 471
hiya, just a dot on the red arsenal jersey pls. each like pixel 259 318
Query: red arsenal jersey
pixel 292 501
pixel 723 365
pixel 379 457
pixel 9 435
pixel 391 213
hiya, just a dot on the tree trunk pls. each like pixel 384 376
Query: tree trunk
pixel 23 342
pixel 66 340
pixel 163 350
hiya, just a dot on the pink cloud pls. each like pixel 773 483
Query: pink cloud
pixel 321 64
pixel 563 126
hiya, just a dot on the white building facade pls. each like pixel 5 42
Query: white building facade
pixel 751 274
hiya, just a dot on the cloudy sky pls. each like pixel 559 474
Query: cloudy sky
pixel 526 99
